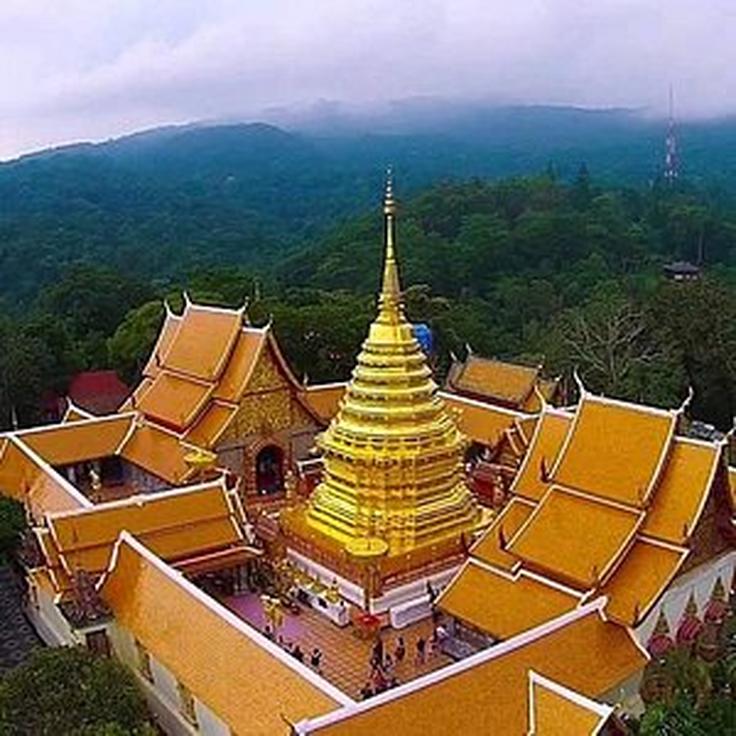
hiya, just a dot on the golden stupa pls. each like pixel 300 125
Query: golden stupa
pixel 393 453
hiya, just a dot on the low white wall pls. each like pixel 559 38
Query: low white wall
pixel 48 620
pixel 354 593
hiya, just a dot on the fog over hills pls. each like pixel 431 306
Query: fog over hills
pixel 164 199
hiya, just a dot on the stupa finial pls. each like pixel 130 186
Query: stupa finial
pixel 390 300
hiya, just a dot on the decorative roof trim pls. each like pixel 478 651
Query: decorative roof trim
pixel 325 386
pixel 70 407
pixel 223 613
pixel 448 395
pixel 308 726
pixel 70 426
pixel 139 499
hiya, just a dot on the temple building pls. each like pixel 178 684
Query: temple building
pixel 393 491
pixel 196 536
pixel 613 500
pixel 218 383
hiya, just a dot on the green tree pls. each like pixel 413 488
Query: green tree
pixel 132 342
pixel 12 523
pixel 70 692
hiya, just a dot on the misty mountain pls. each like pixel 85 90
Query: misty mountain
pixel 162 201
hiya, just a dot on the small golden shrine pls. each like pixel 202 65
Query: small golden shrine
pixel 392 456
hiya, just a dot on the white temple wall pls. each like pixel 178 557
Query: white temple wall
pixel 48 620
pixel 209 723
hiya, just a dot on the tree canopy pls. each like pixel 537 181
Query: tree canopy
pixel 71 692
pixel 532 269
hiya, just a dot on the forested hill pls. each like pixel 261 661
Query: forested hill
pixel 531 269
pixel 159 203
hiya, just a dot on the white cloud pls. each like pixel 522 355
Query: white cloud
pixel 89 69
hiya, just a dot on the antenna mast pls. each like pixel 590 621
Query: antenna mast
pixel 671 161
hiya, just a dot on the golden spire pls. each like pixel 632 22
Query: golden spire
pixel 391 308
pixel 393 454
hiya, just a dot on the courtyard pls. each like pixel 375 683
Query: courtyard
pixel 345 656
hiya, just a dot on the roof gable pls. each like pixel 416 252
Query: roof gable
pixel 202 342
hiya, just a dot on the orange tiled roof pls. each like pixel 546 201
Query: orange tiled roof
pixel 574 537
pixel 549 435
pixel 201 345
pixel 325 399
pixel 555 710
pixel 489 692
pixel 174 524
pixel 495 379
pixel 174 400
pixel 84 439
pixel 28 478
pixel 211 424
pixel 490 548
pixel 500 604
pixel 681 494
pixel 245 679
pixel 482 423
pixel 245 354
pixel 614 449
pixel 642 577
pixel 159 452
pixel 594 535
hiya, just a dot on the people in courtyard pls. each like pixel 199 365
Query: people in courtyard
pixel 388 664
pixel 421 650
pixel 316 659
pixel 377 653
pixel 297 653
pixel 366 691
pixel 400 650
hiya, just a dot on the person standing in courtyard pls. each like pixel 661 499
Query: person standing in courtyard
pixel 421 650
pixel 400 651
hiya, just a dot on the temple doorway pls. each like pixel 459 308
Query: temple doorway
pixel 269 470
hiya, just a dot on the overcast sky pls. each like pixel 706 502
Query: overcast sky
pixel 91 69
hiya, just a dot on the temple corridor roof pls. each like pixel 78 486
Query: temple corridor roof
pixel 247 680
pixel 176 524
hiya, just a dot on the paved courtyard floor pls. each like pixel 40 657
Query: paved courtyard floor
pixel 345 657
pixel 17 637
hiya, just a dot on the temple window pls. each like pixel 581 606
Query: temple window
pixel 144 661
pixel 97 642
pixel 186 703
